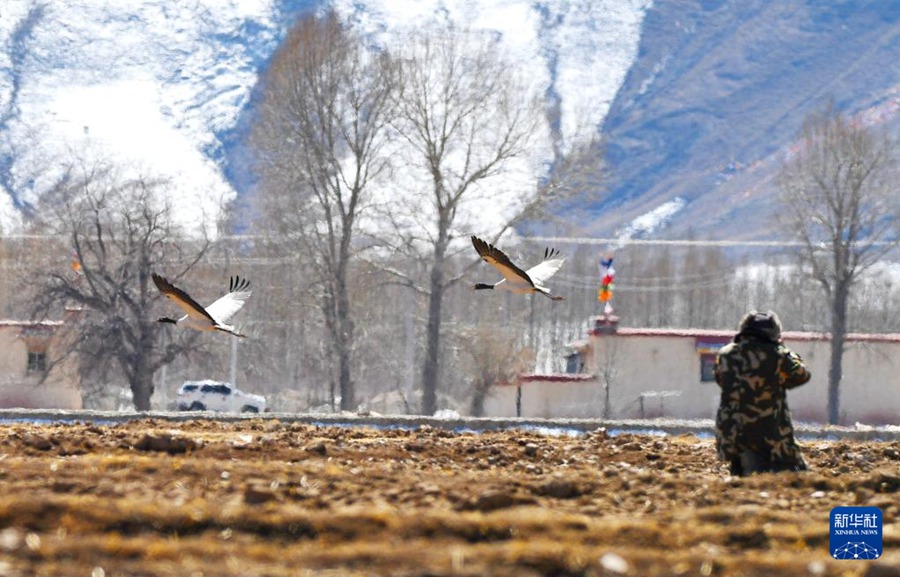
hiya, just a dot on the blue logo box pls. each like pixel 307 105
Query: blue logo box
pixel 856 533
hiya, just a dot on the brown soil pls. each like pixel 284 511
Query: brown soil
pixel 264 497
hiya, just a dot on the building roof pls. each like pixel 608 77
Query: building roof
pixel 12 323
pixel 723 334
pixel 550 378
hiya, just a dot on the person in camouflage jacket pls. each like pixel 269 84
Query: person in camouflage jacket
pixel 754 432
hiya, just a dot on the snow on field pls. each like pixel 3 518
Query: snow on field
pixel 702 428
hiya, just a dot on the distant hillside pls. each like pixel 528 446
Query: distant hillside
pixel 155 85
pixel 167 86
pixel 717 94
pixel 697 100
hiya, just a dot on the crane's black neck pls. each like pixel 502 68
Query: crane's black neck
pixel 481 286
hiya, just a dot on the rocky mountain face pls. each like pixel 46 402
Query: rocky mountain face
pixel 716 97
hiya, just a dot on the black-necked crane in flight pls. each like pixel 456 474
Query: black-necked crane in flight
pixel 515 279
pixel 212 318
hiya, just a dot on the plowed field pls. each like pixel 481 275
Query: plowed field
pixel 265 497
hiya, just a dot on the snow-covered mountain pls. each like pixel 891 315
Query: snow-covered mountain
pixel 162 85
pixel 155 84
pixel 697 100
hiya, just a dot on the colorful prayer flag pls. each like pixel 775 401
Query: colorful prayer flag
pixel 607 276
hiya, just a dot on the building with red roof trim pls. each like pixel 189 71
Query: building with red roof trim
pixel 623 373
pixel 32 374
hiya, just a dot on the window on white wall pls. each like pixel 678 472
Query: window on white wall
pixel 707 347
pixel 37 362
pixel 707 367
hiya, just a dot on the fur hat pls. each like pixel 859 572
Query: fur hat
pixel 766 325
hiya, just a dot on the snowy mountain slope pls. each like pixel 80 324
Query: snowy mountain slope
pixel 154 84
pixel 577 52
pixel 697 100
pixel 586 46
pixel 717 95
pixel 164 85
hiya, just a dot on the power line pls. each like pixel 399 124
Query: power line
pixel 662 242
pixel 650 286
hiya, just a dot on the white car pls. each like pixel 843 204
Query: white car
pixel 217 396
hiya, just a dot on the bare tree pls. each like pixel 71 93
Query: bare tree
pixel 839 196
pixel 463 119
pixel 497 354
pixel 119 230
pixel 319 136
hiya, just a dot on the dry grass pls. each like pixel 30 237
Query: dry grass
pixel 269 498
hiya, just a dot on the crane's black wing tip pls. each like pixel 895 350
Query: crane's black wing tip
pixel 484 248
pixel 162 283
pixel 550 253
pixel 238 284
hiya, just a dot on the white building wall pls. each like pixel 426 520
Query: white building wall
pixel 501 401
pixel 547 399
pixel 659 373
pixel 574 399
pixel 870 388
pixel 22 389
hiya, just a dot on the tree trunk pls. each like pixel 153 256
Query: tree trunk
pixel 838 335
pixel 607 402
pixel 433 336
pixel 137 367
pixel 433 332
pixel 142 390
pixel 344 344
pixel 336 308
pixel 478 398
